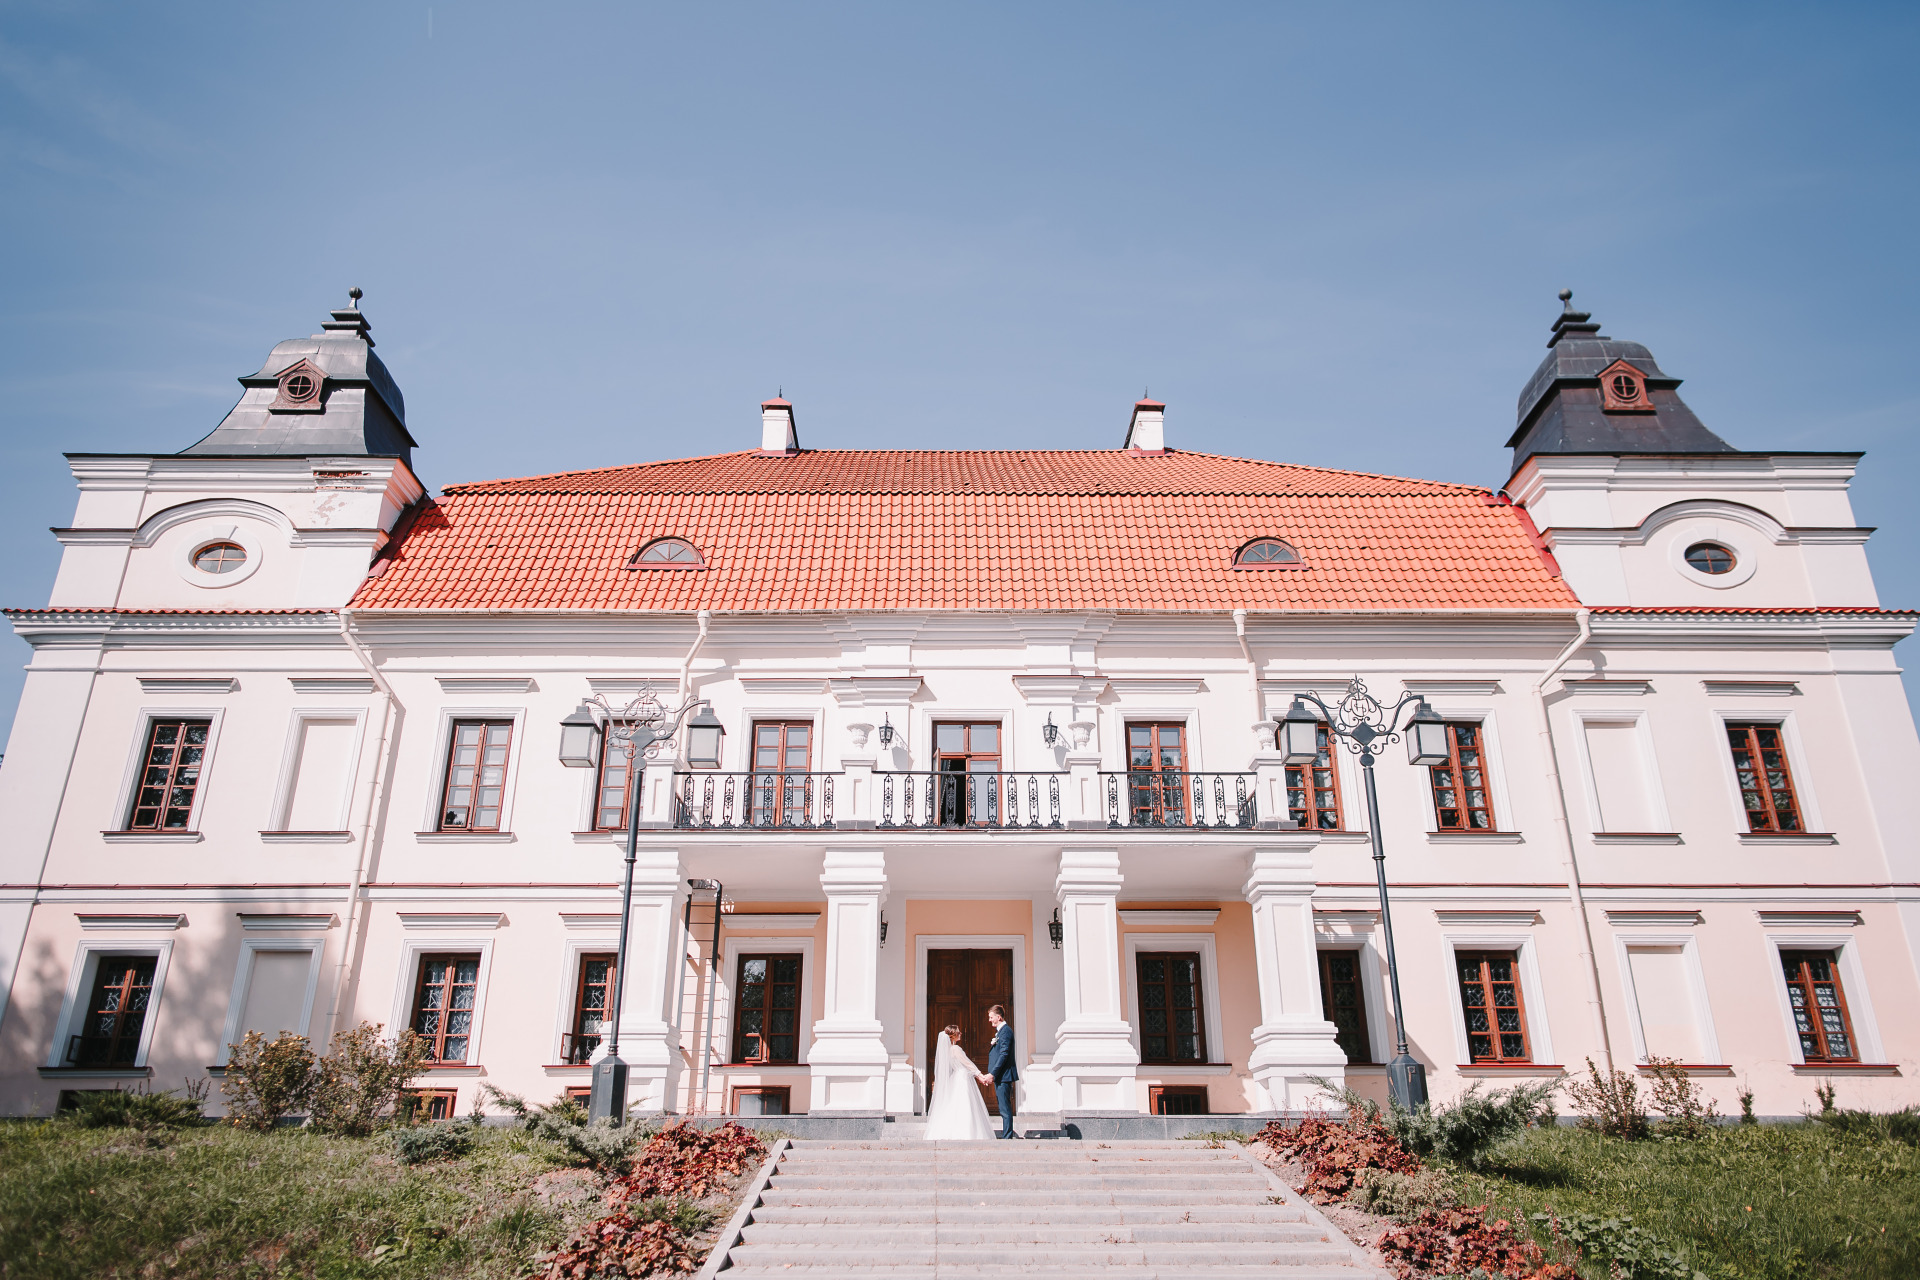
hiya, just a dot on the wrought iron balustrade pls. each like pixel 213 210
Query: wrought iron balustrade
pixel 764 799
pixel 1166 798
pixel 1000 801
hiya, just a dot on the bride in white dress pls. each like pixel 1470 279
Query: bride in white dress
pixel 956 1110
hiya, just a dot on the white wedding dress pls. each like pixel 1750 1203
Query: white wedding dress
pixel 956 1111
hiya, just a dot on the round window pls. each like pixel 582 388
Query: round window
pixel 301 386
pixel 1710 557
pixel 219 557
pixel 1625 387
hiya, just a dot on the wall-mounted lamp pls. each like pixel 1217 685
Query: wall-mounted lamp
pixel 886 731
pixel 1050 731
pixel 883 928
pixel 580 739
pixel 704 732
pixel 1055 929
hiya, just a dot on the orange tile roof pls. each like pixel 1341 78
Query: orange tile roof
pixel 987 530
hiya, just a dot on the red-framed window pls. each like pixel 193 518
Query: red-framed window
pixel 768 1026
pixel 170 773
pixel 1819 1006
pixel 476 781
pixel 782 786
pixel 592 1006
pixel 443 1005
pixel 1766 780
pixel 960 749
pixel 762 1100
pixel 1495 1010
pixel 1172 1026
pixel 116 1013
pixel 610 785
pixel 1157 774
pixel 1462 800
pixel 1313 791
pixel 1344 1003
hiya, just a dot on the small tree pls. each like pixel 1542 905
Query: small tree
pixel 360 1080
pixel 266 1079
pixel 1609 1103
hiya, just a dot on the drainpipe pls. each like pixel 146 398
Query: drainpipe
pixel 1253 668
pixel 376 785
pixel 705 617
pixel 1596 1003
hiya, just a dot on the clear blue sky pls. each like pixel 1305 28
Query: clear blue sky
pixel 596 234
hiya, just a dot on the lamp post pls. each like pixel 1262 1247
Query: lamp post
pixel 640 729
pixel 1365 728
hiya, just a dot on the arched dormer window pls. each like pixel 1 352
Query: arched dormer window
pixel 668 553
pixel 1266 553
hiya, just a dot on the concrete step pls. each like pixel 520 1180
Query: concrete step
pixel 797 1196
pixel 1081 1256
pixel 1027 1233
pixel 966 1271
pixel 1061 1215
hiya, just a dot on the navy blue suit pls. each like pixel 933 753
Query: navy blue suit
pixel 1000 1067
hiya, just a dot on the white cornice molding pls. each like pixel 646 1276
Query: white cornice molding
pixel 1810 919
pixel 1202 917
pixel 189 684
pixel 309 685
pixel 736 921
pixel 1059 691
pixel 1606 685
pixel 1456 688
pixel 784 686
pixel 1488 919
pixel 590 921
pixel 117 922
pixel 1655 919
pixel 286 922
pixel 451 919
pixel 487 684
pixel 1157 686
pixel 874 691
pixel 1753 688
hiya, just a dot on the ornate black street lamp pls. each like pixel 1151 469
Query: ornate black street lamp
pixel 640 729
pixel 1365 728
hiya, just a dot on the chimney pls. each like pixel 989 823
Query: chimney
pixel 778 439
pixel 1147 432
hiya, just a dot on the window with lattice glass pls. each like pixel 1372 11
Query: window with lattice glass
pixel 116 1013
pixel 1490 998
pixel 782 787
pixel 1313 790
pixel 768 1026
pixel 170 773
pixel 443 1005
pixel 611 786
pixel 967 759
pixel 476 781
pixel 1462 800
pixel 592 1006
pixel 1157 774
pixel 1819 1006
pixel 1343 1003
pixel 1766 781
pixel 1171 1026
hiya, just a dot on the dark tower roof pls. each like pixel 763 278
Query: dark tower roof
pixel 347 404
pixel 1563 409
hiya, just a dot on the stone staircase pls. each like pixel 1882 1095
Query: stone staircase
pixel 1062 1210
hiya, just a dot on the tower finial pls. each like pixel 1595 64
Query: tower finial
pixel 1566 297
pixel 353 298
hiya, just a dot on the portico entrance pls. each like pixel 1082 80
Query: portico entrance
pixel 961 986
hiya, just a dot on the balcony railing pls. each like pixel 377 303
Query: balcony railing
pixel 1195 801
pixel 764 799
pixel 1003 801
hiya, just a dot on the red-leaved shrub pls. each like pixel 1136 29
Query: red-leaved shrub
pixel 1449 1242
pixel 683 1162
pixel 619 1246
pixel 1334 1151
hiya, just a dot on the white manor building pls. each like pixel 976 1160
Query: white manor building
pixel 999 727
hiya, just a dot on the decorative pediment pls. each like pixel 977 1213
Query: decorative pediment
pixel 1623 389
pixel 300 386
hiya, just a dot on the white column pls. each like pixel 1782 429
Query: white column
pixel 848 1057
pixel 1094 1060
pixel 1294 1041
pixel 649 1040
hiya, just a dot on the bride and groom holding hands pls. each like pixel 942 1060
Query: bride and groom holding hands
pixel 956 1110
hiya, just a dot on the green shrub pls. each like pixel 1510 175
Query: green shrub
pixel 1463 1131
pixel 444 1140
pixel 1686 1112
pixel 1636 1253
pixel 1400 1195
pixel 358 1084
pixel 1609 1103
pixel 266 1079
pixel 138 1108
pixel 599 1144
pixel 1886 1126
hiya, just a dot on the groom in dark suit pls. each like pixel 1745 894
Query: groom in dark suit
pixel 1001 1073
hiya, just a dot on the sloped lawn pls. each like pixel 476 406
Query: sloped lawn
pixel 1746 1202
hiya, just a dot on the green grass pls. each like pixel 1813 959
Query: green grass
pixel 207 1202
pixel 1766 1202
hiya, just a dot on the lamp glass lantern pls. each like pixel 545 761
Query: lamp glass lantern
pixel 886 730
pixel 580 739
pixel 1056 931
pixel 1427 737
pixel 704 733
pixel 1300 734
pixel 1050 732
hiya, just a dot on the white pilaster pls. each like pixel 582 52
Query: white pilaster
pixel 1294 1041
pixel 1094 1060
pixel 649 1041
pixel 849 1058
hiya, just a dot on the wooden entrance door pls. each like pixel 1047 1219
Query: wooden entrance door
pixel 961 987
